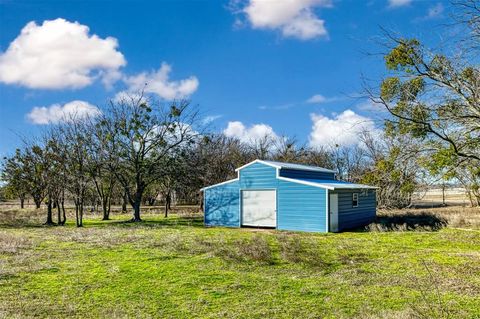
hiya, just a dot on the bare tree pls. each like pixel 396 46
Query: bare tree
pixel 141 132
pixel 99 157
pixel 75 138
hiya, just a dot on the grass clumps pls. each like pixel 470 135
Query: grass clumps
pixel 176 268
pixel 294 249
pixel 12 243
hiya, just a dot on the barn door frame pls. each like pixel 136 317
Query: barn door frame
pixel 257 189
pixel 333 212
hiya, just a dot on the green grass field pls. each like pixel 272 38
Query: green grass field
pixel 176 268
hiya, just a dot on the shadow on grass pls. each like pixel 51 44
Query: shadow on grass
pixel 408 222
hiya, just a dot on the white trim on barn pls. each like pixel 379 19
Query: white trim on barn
pixel 279 165
pixel 327 213
pixel 305 182
pixel 226 182
pixel 257 161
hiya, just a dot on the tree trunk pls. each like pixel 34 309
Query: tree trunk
pixel 137 203
pixel 124 204
pixel 151 201
pixel 59 213
pixel 22 202
pixel 168 200
pixel 38 202
pixel 166 209
pixel 77 214
pixel 106 209
pixel 136 212
pixel 470 197
pixel 49 213
pixel 81 215
pixel 63 212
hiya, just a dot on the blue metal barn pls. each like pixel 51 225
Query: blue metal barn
pixel 288 197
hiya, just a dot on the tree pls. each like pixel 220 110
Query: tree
pixel 393 167
pixel 140 133
pixel 177 173
pixel 57 175
pixel 54 176
pixel 34 169
pixel 434 98
pixel 12 174
pixel 98 158
pixel 76 136
pixel 217 156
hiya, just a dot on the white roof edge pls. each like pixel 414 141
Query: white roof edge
pixel 327 186
pixel 357 186
pixel 305 182
pixel 304 168
pixel 312 169
pixel 257 161
pixel 352 186
pixel 218 184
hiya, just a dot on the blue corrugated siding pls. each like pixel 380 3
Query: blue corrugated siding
pixel 222 205
pixel 258 176
pixel 292 173
pixel 352 217
pixel 301 207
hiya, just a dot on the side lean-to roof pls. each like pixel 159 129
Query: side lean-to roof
pixel 327 184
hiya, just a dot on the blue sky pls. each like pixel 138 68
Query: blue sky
pixel 251 67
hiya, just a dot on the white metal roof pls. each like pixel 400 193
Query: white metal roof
pixel 289 166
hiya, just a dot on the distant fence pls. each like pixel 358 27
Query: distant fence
pixel 434 197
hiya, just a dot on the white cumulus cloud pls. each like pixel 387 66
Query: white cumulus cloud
pixel 317 99
pixel 294 18
pixel 159 82
pixel 56 113
pixel 343 129
pixel 252 134
pixel 398 3
pixel 59 54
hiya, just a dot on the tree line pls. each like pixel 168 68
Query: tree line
pixel 139 148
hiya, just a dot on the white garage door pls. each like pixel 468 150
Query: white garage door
pixel 259 208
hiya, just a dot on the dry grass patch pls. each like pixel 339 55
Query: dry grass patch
pixel 11 243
